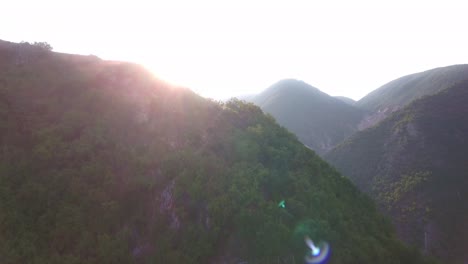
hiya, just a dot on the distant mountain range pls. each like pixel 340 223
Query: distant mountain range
pixel 318 120
pixel 398 93
pixel 404 90
pixel 321 122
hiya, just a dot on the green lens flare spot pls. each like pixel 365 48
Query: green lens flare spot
pixel 282 204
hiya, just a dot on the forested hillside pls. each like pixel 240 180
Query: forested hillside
pixel 102 163
pixel 414 164
pixel 319 120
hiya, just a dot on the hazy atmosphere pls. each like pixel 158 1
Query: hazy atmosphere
pixel 346 143
pixel 222 49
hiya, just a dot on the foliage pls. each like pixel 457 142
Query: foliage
pixel 41 45
pixel 394 191
pixel 102 163
pixel 413 163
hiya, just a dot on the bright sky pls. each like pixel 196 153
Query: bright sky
pixel 226 48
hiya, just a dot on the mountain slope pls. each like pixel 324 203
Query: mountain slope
pixel 402 91
pixel 319 120
pixel 414 164
pixel 345 99
pixel 102 163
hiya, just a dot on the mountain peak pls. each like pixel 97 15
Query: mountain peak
pixel 319 120
pixel 293 86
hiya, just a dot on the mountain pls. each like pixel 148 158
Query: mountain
pixel 414 165
pixel 103 163
pixel 400 92
pixel 319 120
pixel 345 100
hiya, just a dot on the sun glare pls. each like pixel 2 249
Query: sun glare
pixel 222 49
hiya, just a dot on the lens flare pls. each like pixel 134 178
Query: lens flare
pixel 318 253
pixel 282 204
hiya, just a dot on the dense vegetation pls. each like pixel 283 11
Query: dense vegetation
pixel 102 163
pixel 319 120
pixel 414 164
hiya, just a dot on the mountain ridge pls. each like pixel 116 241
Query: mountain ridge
pixel 346 99
pixel 412 164
pixel 398 93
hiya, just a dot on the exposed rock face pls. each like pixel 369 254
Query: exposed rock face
pixel 167 205
pixel 374 118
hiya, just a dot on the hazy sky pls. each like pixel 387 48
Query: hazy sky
pixel 226 48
